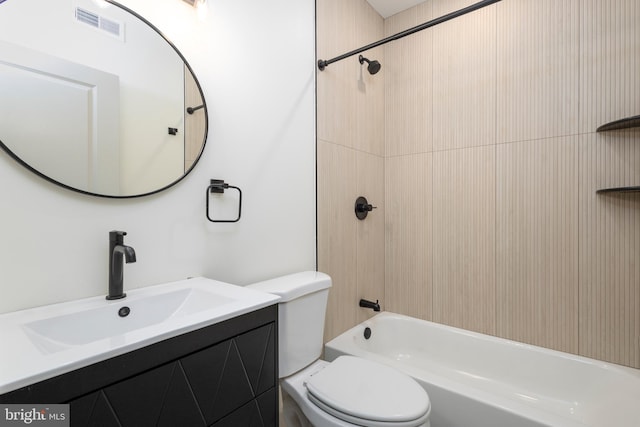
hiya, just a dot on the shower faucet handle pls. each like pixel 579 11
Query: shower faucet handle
pixel 363 207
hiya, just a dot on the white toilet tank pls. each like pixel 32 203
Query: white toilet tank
pixel 301 313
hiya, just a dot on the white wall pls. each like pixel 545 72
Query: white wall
pixel 255 61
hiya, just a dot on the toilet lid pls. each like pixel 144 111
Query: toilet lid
pixel 363 389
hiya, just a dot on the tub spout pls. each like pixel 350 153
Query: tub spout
pixel 375 306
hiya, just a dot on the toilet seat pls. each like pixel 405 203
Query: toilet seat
pixel 364 392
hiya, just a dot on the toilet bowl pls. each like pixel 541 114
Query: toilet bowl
pixel 344 394
pixel 347 392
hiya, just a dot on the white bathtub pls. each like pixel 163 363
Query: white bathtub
pixel 478 380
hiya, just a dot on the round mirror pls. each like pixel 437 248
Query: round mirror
pixel 96 99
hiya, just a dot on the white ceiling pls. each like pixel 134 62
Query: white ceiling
pixel 387 8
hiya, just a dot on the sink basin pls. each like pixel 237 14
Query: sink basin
pixel 57 333
pixel 52 340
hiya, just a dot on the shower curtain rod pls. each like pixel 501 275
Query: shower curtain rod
pixel 323 63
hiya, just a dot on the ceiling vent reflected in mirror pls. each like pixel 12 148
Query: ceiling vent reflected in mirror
pixel 110 26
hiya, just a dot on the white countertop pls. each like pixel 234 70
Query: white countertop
pixel 25 360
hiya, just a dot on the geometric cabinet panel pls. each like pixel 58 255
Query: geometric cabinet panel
pixel 230 382
pixel 253 414
pixel 92 410
pixel 139 400
pixel 228 375
pixel 159 397
pixel 257 352
pixel 205 370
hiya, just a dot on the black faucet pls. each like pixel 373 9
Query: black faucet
pixel 117 249
pixel 370 304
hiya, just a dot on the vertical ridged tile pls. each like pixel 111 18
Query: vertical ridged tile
pixel 537 242
pixel 370 88
pixel 609 61
pixel 408 235
pixel 350 100
pixel 370 122
pixel 333 18
pixel 408 80
pixel 538 69
pixel 610 248
pixel 337 252
pixel 464 292
pixel 370 232
pixel 464 79
pixel 350 124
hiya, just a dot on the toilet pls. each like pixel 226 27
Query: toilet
pixel 350 391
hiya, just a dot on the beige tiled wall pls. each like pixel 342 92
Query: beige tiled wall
pixel 408 232
pixel 489 164
pixel 337 232
pixel 538 69
pixel 408 88
pixel 350 161
pixel 463 242
pixel 609 61
pixel 609 246
pixel 537 242
pixel 464 80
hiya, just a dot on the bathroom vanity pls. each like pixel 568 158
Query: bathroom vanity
pixel 221 374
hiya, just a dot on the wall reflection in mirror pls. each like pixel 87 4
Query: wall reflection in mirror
pixel 95 99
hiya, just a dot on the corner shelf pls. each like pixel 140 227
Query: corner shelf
pixel 620 190
pixel 626 123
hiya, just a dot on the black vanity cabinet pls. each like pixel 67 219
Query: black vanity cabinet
pixel 221 375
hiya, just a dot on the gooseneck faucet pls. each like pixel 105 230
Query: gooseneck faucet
pixel 117 251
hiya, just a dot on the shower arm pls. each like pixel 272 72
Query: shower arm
pixel 322 63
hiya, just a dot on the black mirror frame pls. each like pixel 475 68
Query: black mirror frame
pixel 109 196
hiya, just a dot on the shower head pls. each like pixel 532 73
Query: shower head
pixel 373 67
